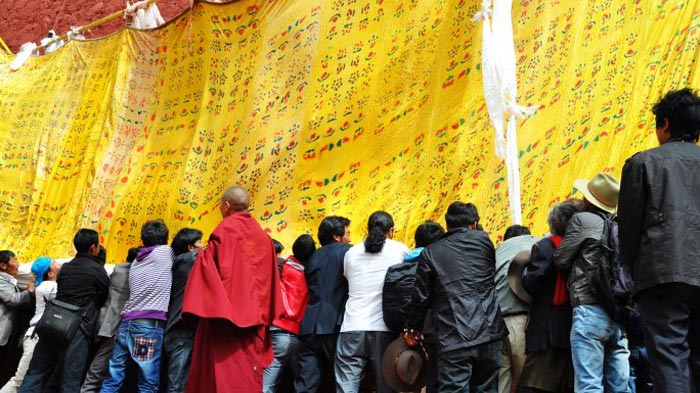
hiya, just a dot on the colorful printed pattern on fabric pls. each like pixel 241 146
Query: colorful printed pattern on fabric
pixel 342 107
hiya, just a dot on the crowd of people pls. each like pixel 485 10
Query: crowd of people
pixel 606 301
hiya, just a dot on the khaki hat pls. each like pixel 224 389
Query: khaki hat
pixel 602 191
pixel 402 366
pixel 515 273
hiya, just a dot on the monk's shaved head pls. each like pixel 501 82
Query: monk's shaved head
pixel 234 199
pixel 238 197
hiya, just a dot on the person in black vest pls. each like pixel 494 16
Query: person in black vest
pixel 455 279
pixel 548 366
pixel 659 228
pixel 328 293
pixel 84 283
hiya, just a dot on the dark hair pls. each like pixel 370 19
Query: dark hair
pixel 154 233
pixel 303 248
pixel 84 239
pixel 102 255
pixel 378 225
pixel 461 215
pixel 45 276
pixel 5 256
pixel 682 110
pixel 427 233
pixel 132 254
pixel 279 247
pixel 559 217
pixel 516 230
pixel 184 238
pixel 332 226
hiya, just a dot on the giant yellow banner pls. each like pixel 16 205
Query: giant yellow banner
pixel 325 107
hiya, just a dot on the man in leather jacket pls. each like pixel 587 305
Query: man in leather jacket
pixel 455 279
pixel 598 343
pixel 659 227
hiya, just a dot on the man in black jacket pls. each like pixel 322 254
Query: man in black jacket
pixel 328 293
pixel 84 283
pixel 455 279
pixel 179 335
pixel 659 229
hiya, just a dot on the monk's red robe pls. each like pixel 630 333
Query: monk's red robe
pixel 234 289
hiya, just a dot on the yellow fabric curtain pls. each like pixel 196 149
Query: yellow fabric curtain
pixel 320 108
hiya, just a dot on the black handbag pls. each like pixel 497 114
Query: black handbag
pixel 59 322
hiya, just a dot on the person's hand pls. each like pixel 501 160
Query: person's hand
pixel 412 337
pixel 30 287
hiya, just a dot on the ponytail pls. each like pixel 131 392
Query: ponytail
pixel 378 225
pixel 375 240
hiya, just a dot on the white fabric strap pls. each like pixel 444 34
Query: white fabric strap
pixel 500 91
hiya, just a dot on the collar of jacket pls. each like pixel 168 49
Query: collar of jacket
pixel 87 255
pixel 456 230
pixel 7 277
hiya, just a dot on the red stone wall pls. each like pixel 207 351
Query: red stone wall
pixel 30 20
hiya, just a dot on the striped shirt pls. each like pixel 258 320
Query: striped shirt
pixel 150 279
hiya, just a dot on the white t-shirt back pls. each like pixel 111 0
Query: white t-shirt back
pixel 44 292
pixel 365 273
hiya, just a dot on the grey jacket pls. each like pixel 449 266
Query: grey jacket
pixel 659 215
pixel 110 314
pixel 509 302
pixel 580 253
pixel 10 298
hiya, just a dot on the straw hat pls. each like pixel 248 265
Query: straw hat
pixel 602 191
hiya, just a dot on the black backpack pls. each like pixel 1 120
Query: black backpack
pixel 611 281
pixel 397 292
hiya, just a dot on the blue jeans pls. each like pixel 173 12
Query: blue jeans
pixel 177 346
pixel 285 345
pixel 599 352
pixel 141 343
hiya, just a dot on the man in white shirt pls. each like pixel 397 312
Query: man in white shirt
pixel 363 335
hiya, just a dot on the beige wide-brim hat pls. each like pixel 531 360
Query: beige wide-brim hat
pixel 602 191
pixel 515 272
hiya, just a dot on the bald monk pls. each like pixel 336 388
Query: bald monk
pixel 234 290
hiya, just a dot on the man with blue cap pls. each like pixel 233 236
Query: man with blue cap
pixel 45 270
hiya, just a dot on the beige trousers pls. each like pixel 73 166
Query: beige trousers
pixel 512 354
